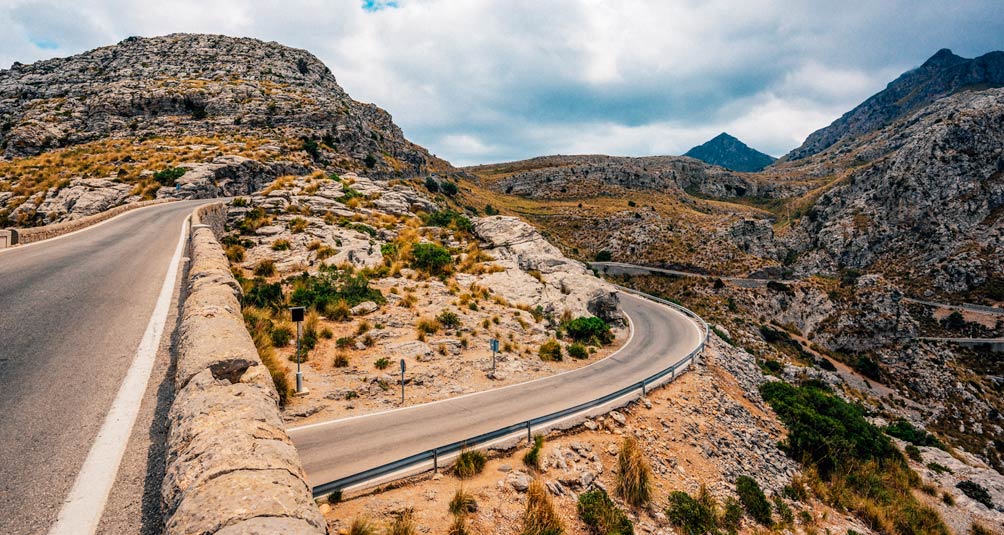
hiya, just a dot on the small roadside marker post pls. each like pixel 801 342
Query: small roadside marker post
pixel 495 347
pixel 402 381
pixel 297 313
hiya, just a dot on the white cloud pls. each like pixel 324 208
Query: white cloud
pixel 483 80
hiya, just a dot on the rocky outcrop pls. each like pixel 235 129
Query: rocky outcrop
pixel 930 210
pixel 572 176
pixel 230 466
pixel 942 75
pixel 227 176
pixel 537 274
pixel 203 85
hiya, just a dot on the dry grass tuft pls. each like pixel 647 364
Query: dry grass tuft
pixel 634 476
pixel 540 518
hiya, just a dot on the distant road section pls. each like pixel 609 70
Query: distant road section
pixel 333 450
pixel 72 313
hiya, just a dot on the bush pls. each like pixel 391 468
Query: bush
pixel 633 474
pixel 338 311
pixel 904 430
pixel 589 329
pixel 868 367
pixel 430 257
pixel 361 526
pixel 280 245
pixel 281 335
pixel 532 457
pixel 449 219
pixel 345 342
pixel 599 512
pixel 331 286
pixel 168 176
pixel 263 295
pixel 824 429
pixel 462 503
pixel 448 319
pixel 954 321
pixel 825 364
pixel 913 452
pixel 753 500
pixel 976 492
pixel 431 184
pixel 403 524
pixel 265 268
pixel 469 464
pixel 690 515
pixel 449 188
pixel 578 351
pixel 427 326
pixel 341 360
pixel 550 351
pixel 731 516
pixel 539 517
pixel 382 363
pixel 603 256
pixel 939 468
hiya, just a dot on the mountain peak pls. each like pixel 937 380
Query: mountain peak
pixel 943 58
pixel 727 151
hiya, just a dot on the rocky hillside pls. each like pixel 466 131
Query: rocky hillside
pixel 730 153
pixel 133 112
pixel 942 75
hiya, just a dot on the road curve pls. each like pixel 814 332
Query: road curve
pixel 340 448
pixel 72 313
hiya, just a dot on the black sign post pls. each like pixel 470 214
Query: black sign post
pixel 495 347
pixel 297 313
pixel 402 381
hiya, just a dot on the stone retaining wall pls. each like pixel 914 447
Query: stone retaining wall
pixel 231 468
pixel 33 234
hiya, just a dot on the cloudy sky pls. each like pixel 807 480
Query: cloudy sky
pixel 483 81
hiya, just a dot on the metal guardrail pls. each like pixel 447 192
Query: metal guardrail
pixel 434 454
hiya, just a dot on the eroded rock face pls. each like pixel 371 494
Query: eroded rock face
pixel 930 208
pixel 538 274
pixel 226 176
pixel 83 197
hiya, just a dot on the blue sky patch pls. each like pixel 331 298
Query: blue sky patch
pixel 377 5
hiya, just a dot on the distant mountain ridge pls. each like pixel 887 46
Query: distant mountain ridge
pixel 942 75
pixel 730 153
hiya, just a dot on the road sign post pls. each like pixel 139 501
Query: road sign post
pixel 297 313
pixel 402 381
pixel 495 347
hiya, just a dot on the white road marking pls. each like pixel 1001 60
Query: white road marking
pixel 83 507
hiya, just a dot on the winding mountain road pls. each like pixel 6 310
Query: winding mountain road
pixel 332 450
pixel 75 315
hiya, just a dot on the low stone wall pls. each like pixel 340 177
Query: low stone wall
pixel 33 234
pixel 231 468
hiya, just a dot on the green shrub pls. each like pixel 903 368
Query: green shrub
pixel 906 431
pixel 448 319
pixel 731 516
pixel 825 430
pixel 753 499
pixel 431 184
pixel 281 335
pixel 578 351
pixel 345 342
pixel 783 511
pixel 341 360
pixel 449 188
pixel 634 476
pixel 600 513
pixel 589 329
pixel 448 219
pixel 329 287
pixel 430 257
pixel 603 256
pixel 976 492
pixel 261 294
pixel 532 456
pixel 168 176
pixel 913 452
pixel 470 463
pixel 868 367
pixel 382 363
pixel 690 515
pixel 550 350
pixel 939 468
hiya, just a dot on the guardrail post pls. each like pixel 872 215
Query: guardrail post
pixel 435 460
pixel 643 392
pixel 529 438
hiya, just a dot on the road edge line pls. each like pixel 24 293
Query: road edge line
pixel 84 506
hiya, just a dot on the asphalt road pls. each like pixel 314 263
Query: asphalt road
pixel 340 448
pixel 72 313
